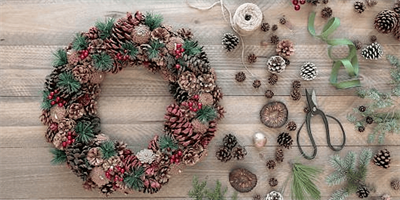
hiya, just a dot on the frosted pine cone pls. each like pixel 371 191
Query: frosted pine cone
pixel 276 64
pixel 308 71
pixel 373 51
pixel 386 21
pixel 230 41
pixel 285 48
pixel 359 7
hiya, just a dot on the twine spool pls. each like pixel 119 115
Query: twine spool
pixel 247 19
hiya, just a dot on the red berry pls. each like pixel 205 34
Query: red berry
pixel 297 7
pixel 176 160
pixel 69 133
pixel 178 45
pixel 200 107
pixel 56 91
pixel 50 97
pixel 107 173
pixel 86 53
pixel 64 144
pixel 73 140
pixel 82 57
pixel 177 52
pixel 116 178
pixel 199 104
pixel 69 142
pixel 64 102
pixel 182 50
pixel 177 66
pixel 194 109
pixel 52 93
pixel 302 2
pixel 179 153
pixel 121 179
pixel 295 2
pixel 57 99
pixel 69 137
pixel 190 104
pixel 176 57
pixel 60 104
pixel 122 170
pixel 52 103
pixel 196 97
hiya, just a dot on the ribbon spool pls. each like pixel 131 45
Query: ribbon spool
pixel 247 19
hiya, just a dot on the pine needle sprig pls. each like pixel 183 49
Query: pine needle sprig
pixel 198 189
pixel 153 20
pixel 131 49
pixel 85 132
pixel 102 62
pixel 153 49
pixel 108 149
pixel 59 156
pixel 218 193
pixel 60 58
pixel 206 114
pixel 79 42
pixel 191 48
pixel 67 80
pixel 303 186
pixel 105 28
pixel 46 103
pixel 134 179
pixel 168 144
pixel 395 73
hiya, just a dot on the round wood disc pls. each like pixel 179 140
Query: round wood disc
pixel 274 114
pixel 242 180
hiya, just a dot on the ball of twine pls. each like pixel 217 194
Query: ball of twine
pixel 247 19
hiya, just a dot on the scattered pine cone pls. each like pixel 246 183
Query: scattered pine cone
pixel 291 126
pixel 373 51
pixel 361 129
pixel 239 152
pixel 359 7
pixel 282 20
pixel 358 44
pixel 308 71
pixel 273 182
pixel 386 21
pixel 269 94
pixel 257 83
pixel 396 7
pixel 257 197
pixel 382 159
pixel 285 48
pixel 240 76
pixel 229 141
pixel 295 95
pixel 325 1
pixel 326 12
pixel 296 84
pixel 272 79
pixel 271 164
pixel 362 108
pixel 371 3
pixel 369 120
pixel 395 184
pixel 224 154
pixel 373 38
pixel 251 58
pixel 230 41
pixel 265 27
pixel 274 39
pixel 274 27
pixel 285 140
pixel 276 64
pixel 279 156
pixel 362 192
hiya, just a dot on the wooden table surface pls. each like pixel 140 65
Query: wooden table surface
pixel 133 102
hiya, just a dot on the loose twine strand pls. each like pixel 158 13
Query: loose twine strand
pixel 236 25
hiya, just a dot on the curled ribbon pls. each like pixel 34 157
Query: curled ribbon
pixel 350 62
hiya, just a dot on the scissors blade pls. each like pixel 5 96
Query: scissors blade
pixel 314 98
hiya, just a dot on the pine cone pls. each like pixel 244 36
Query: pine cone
pixel 163 174
pixel 217 94
pixel 111 163
pixel 265 27
pixel 198 64
pixel 206 82
pixel 251 58
pixel 257 197
pixel 359 7
pixel 371 3
pixel 308 71
pixel 362 192
pixel 271 164
pixel 295 94
pixel 269 94
pixel 83 72
pixel 274 27
pixel 45 118
pixel 52 79
pixel 76 111
pixel 361 129
pixel 57 113
pixel 92 34
pixel 161 34
pixel 141 34
pixel 206 138
pixel 285 48
pixel 220 112
pixel 66 125
pixel 230 41
pixel 58 140
pixel 188 82
pixel 396 33
pixel 326 12
pixel 151 186
pixel 239 152
pixel 382 159
pixel 273 182
pixel 276 64
pixel 199 127
pixel 76 159
pixel 171 45
pixel 396 7
pixel 279 156
pixel 256 83
pixel 206 99
pixel 186 34
pixel 386 21
pixel 373 38
pixel 369 120
pixel 291 126
pixel 358 44
pixel 193 155
pixel 178 93
pixel 107 189
pixel 95 157
pixel 373 51
pixel 272 79
pixel 240 76
pixel 285 140
pixel 325 1
pixel 229 141
pixel 282 20
pixel 92 90
pixel 224 154
pixel 395 184
pixel 296 84
pixel 274 39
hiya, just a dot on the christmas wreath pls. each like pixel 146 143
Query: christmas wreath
pixel 69 107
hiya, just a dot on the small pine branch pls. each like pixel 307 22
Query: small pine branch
pixel 167 144
pixel 339 195
pixel 108 149
pixel 303 186
pixel 102 62
pixel 350 161
pixel 153 20
pixel 105 28
pixel 198 191
pixel 365 157
pixel 153 49
pixel 134 179
pixel 393 60
pixel 131 49
pixel 206 114
pixel 191 48
pixel 60 57
pixel 46 103
pixel 59 157
pixel 84 131
pixel 68 81
pixel 218 193
pixel 79 42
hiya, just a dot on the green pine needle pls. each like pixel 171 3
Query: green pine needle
pixel 206 114
pixel 85 132
pixel 303 186
pixel 102 62
pixel 79 42
pixel 131 48
pixel 46 104
pixel 153 20
pixel 393 60
pixel 108 149
pixel 60 57
pixel 105 28
pixel 191 48
pixel 134 179
pixel 198 191
pixel 218 193
pixel 59 157
pixel 68 81
pixel 154 48
pixel 166 142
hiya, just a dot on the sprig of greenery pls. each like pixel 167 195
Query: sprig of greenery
pixel 46 103
pixel 60 57
pixel 303 186
pixel 347 170
pixel 79 42
pixel 206 114
pixel 130 48
pixel 68 81
pixel 191 48
pixel 153 49
pixel 167 144
pixel 85 132
pixel 105 28
pixel 200 191
pixel 102 62
pixel 134 179
pixel 59 157
pixel 108 149
pixel 153 20
pixel 395 73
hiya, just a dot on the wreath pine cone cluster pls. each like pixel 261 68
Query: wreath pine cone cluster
pixel 69 107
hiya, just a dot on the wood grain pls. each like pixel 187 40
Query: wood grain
pixel 132 103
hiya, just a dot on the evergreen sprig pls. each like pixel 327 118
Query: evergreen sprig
pixel 395 73
pixel 200 191
pixel 108 149
pixel 346 170
pixel 134 179
pixel 105 28
pixel 60 58
pixel 102 62
pixel 303 186
pixel 130 48
pixel 206 114
pixel 67 80
pixel 79 42
pixel 191 48
pixel 153 49
pixel 85 132
pixel 167 144
pixel 59 157
pixel 153 20
pixel 46 103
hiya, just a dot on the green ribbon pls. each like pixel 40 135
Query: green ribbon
pixel 350 62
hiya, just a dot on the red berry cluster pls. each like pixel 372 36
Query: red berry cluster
pixel 84 53
pixel 193 104
pixel 112 175
pixel 123 57
pixel 296 4
pixel 178 51
pixel 176 158
pixel 56 100
pixel 70 139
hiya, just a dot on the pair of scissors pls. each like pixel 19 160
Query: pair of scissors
pixel 312 111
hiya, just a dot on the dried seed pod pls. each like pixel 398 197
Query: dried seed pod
pixel 242 180
pixel 274 114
